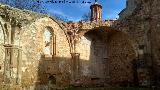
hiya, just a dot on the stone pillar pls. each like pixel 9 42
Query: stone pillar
pixel 19 65
pixel 7 65
pixel 12 65
pixel 75 66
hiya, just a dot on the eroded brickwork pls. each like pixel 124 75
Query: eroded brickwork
pixel 121 57
pixel 38 52
pixel 38 66
pixel 142 24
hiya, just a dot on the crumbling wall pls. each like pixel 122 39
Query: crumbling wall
pixel 107 57
pixel 143 25
pixel 92 50
pixel 155 39
pixel 104 58
pixel 121 55
pixel 37 67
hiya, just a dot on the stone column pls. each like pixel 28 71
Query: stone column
pixel 19 65
pixel 75 66
pixel 7 64
pixel 12 65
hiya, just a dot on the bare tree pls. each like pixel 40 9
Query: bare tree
pixel 32 5
pixel 86 16
pixel 60 17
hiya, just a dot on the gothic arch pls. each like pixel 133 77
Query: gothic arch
pixel 44 65
pixel 37 29
pixel 112 41
pixel 49 38
pixel 105 30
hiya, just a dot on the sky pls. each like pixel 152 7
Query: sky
pixel 75 11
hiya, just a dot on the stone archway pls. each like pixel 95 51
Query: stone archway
pixel 107 56
pixel 53 62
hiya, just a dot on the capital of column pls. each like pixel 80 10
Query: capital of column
pixel 8 45
pixel 11 46
pixel 75 54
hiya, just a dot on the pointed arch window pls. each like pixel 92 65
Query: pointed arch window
pixel 49 40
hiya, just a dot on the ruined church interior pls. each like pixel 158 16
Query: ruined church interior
pixel 38 52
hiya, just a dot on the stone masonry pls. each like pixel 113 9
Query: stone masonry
pixel 38 52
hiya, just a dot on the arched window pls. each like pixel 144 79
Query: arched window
pixel 49 40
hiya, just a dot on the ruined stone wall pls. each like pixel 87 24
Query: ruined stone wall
pixel 92 51
pixel 26 65
pixel 155 38
pixel 130 6
pixel 37 67
pixel 143 25
pixel 121 56
pixel 107 57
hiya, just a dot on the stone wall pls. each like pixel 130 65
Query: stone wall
pixel 143 25
pixel 121 58
pixel 123 52
pixel 107 57
pixel 155 38
pixel 38 67
pixel 92 51
pixel 22 51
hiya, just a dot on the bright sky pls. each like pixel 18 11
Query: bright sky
pixel 74 11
